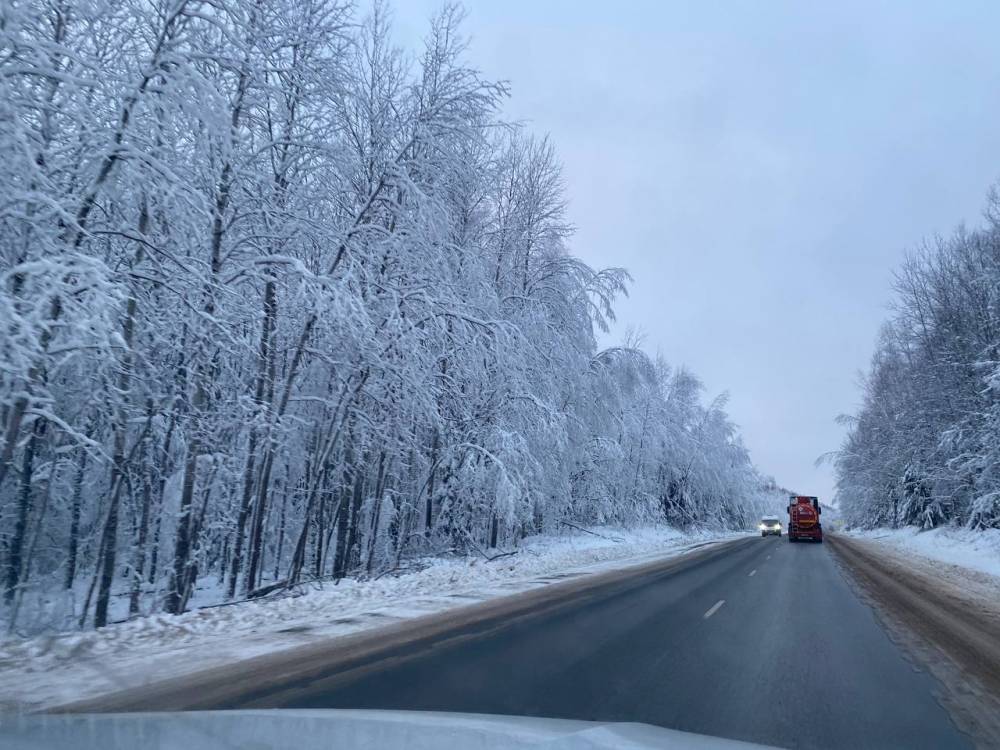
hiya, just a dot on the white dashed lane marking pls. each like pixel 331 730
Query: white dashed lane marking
pixel 714 609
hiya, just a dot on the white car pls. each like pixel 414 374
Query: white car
pixel 770 525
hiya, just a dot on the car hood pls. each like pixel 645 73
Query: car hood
pixel 335 729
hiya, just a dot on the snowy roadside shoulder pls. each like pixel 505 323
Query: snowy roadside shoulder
pixel 976 550
pixel 968 559
pixel 45 671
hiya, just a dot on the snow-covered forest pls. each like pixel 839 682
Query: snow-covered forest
pixel 924 449
pixel 281 300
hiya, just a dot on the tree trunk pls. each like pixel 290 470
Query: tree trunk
pixel 106 560
pixel 176 595
pixel 164 468
pixel 343 520
pixel 74 520
pixel 32 546
pixel 494 531
pixel 195 551
pixel 14 420
pixel 266 375
pixel 318 550
pixel 257 525
pixel 15 557
pixel 154 552
pixel 353 548
pixel 281 534
pixel 267 327
pixel 241 520
pixel 429 503
pixel 139 554
pixel 121 431
pixel 376 512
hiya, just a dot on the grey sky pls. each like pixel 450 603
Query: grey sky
pixel 760 168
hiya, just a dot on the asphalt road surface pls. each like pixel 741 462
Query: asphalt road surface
pixel 764 641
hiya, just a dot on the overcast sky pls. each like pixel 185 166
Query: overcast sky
pixel 760 168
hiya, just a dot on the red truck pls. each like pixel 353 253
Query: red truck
pixel 803 519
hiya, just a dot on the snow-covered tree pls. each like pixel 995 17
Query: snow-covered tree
pixel 923 450
pixel 280 300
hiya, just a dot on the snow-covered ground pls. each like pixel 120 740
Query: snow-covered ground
pixel 975 550
pixel 49 670
pixel 964 563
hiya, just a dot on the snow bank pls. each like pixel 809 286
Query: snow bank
pixel 49 670
pixel 975 550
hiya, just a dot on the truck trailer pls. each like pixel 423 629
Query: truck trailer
pixel 803 519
